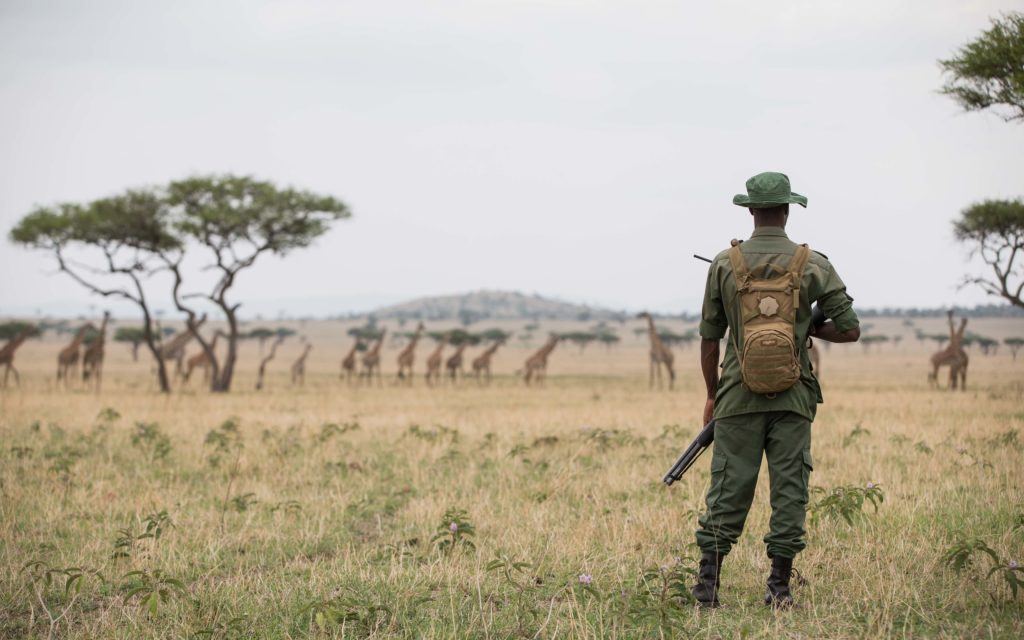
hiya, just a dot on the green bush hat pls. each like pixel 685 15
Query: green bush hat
pixel 768 189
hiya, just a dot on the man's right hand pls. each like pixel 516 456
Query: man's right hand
pixel 709 410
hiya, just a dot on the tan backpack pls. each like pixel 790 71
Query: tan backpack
pixel 770 355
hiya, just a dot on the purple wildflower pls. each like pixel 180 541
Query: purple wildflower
pixel 453 527
pixel 1013 564
pixel 586 579
pixel 871 485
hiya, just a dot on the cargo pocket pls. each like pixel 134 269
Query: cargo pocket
pixel 808 467
pixel 717 480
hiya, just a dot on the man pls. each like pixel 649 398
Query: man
pixel 749 423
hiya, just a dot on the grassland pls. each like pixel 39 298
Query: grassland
pixel 311 512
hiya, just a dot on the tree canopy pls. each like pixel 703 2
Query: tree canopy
pixel 145 231
pixel 994 231
pixel 989 71
pixel 13 328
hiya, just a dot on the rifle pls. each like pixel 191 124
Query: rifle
pixel 697 447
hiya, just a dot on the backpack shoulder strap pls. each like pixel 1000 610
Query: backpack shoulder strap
pixel 798 262
pixel 739 266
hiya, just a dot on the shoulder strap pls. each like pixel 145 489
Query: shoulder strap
pixel 739 266
pixel 798 262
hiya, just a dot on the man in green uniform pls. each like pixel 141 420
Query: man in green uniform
pixel 748 424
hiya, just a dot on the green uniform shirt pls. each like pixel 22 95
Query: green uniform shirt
pixel 821 284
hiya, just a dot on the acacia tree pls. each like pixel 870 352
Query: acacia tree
pixel 109 247
pixel 133 336
pixel 238 219
pixel 1014 343
pixel 989 71
pixel 994 231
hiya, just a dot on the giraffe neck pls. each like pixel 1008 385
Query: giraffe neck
pixel 652 331
pixel 15 342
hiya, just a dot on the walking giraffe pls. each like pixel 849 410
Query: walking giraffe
pixel 92 359
pixel 299 367
pixel 434 360
pixel 536 368
pixel 69 356
pixel 952 356
pixel 408 355
pixel 174 349
pixel 266 360
pixel 201 360
pixel 659 355
pixel 454 362
pixel 348 363
pixel 371 359
pixel 8 350
pixel 482 363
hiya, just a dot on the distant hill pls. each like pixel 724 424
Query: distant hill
pixel 494 305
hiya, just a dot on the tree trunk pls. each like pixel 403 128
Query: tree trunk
pixel 222 383
pixel 150 338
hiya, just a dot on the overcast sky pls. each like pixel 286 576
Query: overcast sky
pixel 576 149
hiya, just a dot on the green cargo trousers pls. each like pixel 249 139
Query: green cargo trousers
pixel 785 439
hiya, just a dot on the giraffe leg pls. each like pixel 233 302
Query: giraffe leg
pixel 17 377
pixel 963 378
pixel 671 376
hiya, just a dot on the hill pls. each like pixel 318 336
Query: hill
pixel 494 305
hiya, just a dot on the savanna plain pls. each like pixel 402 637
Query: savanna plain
pixel 500 511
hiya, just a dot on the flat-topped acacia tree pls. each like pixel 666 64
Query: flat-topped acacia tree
pixel 236 220
pixel 111 247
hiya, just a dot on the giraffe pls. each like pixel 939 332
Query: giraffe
pixel 659 355
pixel 266 360
pixel 92 359
pixel 348 363
pixel 174 349
pixel 8 350
pixel 201 360
pixel 299 367
pixel 454 362
pixel 953 356
pixel 67 359
pixel 408 354
pixel 482 363
pixel 371 359
pixel 536 367
pixel 435 360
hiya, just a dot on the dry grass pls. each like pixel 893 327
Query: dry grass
pixel 565 478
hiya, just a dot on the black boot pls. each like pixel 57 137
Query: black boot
pixel 778 594
pixel 706 589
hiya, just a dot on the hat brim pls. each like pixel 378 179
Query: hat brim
pixel 743 200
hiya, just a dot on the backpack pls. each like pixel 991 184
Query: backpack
pixel 770 356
